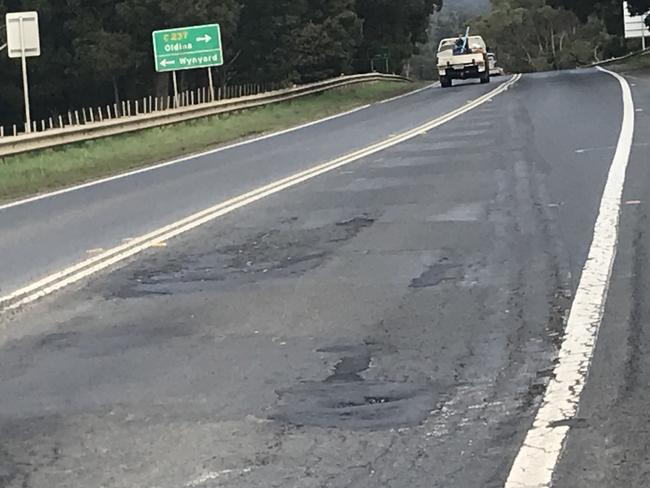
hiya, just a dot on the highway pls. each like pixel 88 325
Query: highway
pixel 380 299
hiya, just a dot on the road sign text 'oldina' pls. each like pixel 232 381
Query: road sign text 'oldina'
pixel 188 47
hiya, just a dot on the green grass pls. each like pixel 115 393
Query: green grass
pixel 40 171
pixel 636 63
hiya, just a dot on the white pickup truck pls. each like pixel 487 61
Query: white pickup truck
pixel 460 59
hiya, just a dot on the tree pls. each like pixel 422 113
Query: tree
pixel 326 44
pixel 530 35
pixel 640 7
pixel 395 27
pixel 610 12
pixel 266 39
pixel 102 50
pixel 95 53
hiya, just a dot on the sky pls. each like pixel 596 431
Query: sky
pixel 484 4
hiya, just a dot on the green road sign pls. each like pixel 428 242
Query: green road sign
pixel 188 48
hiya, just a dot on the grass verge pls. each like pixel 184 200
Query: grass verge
pixel 637 63
pixel 39 171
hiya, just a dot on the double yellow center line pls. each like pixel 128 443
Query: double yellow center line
pixel 99 262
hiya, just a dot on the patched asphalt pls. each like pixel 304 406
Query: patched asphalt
pixel 393 323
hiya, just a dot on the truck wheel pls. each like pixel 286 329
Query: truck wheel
pixel 445 82
pixel 485 77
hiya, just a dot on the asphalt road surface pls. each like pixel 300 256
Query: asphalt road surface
pixel 392 323
pixel 43 236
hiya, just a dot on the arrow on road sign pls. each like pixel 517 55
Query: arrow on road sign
pixel 191 47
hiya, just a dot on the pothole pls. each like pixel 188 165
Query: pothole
pixel 356 405
pixel 437 274
pixel 277 253
pixel 346 400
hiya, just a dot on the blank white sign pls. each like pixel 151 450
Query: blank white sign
pixel 635 25
pixel 27 42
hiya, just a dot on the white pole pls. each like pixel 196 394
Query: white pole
pixel 28 119
pixel 643 42
pixel 211 84
pixel 175 89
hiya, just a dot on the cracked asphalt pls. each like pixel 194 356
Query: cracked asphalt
pixel 392 323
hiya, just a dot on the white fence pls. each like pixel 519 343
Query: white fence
pixel 128 108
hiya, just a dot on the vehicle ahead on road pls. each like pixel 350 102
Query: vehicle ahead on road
pixel 494 69
pixel 462 59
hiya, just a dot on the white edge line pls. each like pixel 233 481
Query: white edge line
pixel 178 160
pixel 155 167
pixel 113 256
pixel 537 460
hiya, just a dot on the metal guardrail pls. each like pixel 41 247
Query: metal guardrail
pixel 10 145
pixel 605 62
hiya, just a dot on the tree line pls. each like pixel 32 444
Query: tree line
pixel 99 52
pixel 537 35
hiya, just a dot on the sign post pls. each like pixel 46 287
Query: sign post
pixel 211 84
pixel 635 26
pixel 23 41
pixel 175 89
pixel 188 48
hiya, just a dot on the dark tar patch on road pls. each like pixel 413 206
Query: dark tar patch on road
pixel 285 252
pixel 345 400
pixel 437 274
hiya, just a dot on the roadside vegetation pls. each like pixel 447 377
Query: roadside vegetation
pixel 634 64
pixel 40 171
pixel 540 35
pixel 533 35
pixel 97 53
